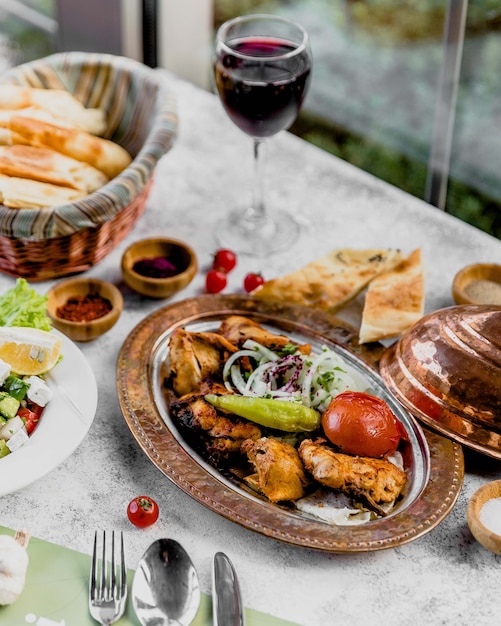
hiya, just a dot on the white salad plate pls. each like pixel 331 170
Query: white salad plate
pixel 64 423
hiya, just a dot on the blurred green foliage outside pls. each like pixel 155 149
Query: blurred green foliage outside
pixel 403 37
pixel 377 110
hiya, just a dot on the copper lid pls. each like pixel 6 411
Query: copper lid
pixel 446 370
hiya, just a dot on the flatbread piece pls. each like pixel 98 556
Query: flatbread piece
pixel 23 193
pixel 49 166
pixel 103 154
pixel 59 104
pixel 332 281
pixel 394 301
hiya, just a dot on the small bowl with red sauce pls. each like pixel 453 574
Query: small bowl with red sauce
pixel 84 308
pixel 158 267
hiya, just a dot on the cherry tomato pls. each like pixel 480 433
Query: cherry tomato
pixel 143 511
pixel 215 281
pixel 363 425
pixel 224 261
pixel 31 419
pixel 252 281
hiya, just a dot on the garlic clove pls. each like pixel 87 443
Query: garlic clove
pixel 22 537
pixel 13 566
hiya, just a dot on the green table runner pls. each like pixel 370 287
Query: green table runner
pixel 55 593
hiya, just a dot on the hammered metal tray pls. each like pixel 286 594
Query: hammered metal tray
pixel 434 463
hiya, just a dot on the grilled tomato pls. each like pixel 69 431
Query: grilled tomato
pixel 363 425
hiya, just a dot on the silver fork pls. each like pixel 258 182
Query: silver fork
pixel 107 583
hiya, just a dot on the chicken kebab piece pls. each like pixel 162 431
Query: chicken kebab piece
pixel 280 474
pixel 195 358
pixel 238 329
pixel 211 432
pixel 377 481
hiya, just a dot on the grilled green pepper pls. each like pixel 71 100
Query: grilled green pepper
pixel 291 417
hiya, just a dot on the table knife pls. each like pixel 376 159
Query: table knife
pixel 227 608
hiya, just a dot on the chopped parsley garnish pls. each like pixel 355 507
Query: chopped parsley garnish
pixel 289 348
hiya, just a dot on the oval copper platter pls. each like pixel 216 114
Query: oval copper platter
pixel 141 368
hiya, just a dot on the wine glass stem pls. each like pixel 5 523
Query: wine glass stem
pixel 257 212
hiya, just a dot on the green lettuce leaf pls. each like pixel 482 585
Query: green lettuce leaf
pixel 23 306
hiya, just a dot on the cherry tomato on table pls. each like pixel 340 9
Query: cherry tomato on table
pixel 143 511
pixel 224 260
pixel 252 281
pixel 361 424
pixel 215 281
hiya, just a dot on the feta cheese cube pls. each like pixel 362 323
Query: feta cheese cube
pixel 4 371
pixel 38 391
pixel 17 440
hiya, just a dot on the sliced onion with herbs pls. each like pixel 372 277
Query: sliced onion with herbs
pixel 231 360
pixel 265 352
pixel 237 380
pixel 256 385
pixel 296 377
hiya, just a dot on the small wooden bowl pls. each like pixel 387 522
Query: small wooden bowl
pixel 59 294
pixel 463 286
pixel 482 534
pixel 180 255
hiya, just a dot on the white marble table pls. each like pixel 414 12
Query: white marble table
pixel 444 577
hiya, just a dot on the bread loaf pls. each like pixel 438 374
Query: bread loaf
pixel 49 166
pixel 330 282
pixel 394 300
pixel 22 193
pixel 102 154
pixel 59 104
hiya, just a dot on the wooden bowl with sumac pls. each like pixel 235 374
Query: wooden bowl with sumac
pixel 158 267
pixel 84 308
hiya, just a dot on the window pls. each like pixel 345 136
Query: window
pixel 377 68
pixel 27 31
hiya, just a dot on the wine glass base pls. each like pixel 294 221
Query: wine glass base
pixel 259 237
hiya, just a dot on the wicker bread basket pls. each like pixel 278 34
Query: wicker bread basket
pixel 141 117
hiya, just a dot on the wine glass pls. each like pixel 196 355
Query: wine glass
pixel 262 66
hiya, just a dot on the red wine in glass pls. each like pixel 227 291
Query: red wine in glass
pixel 262 68
pixel 263 89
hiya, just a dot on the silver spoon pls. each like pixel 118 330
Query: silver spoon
pixel 165 589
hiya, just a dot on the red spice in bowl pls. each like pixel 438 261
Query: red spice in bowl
pixel 84 308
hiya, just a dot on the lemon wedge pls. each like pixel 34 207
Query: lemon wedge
pixel 29 351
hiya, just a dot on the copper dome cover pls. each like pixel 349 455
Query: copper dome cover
pixel 446 370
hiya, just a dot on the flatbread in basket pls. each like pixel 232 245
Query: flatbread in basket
pixel 140 113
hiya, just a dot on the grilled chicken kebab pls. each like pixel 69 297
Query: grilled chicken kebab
pixel 264 459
